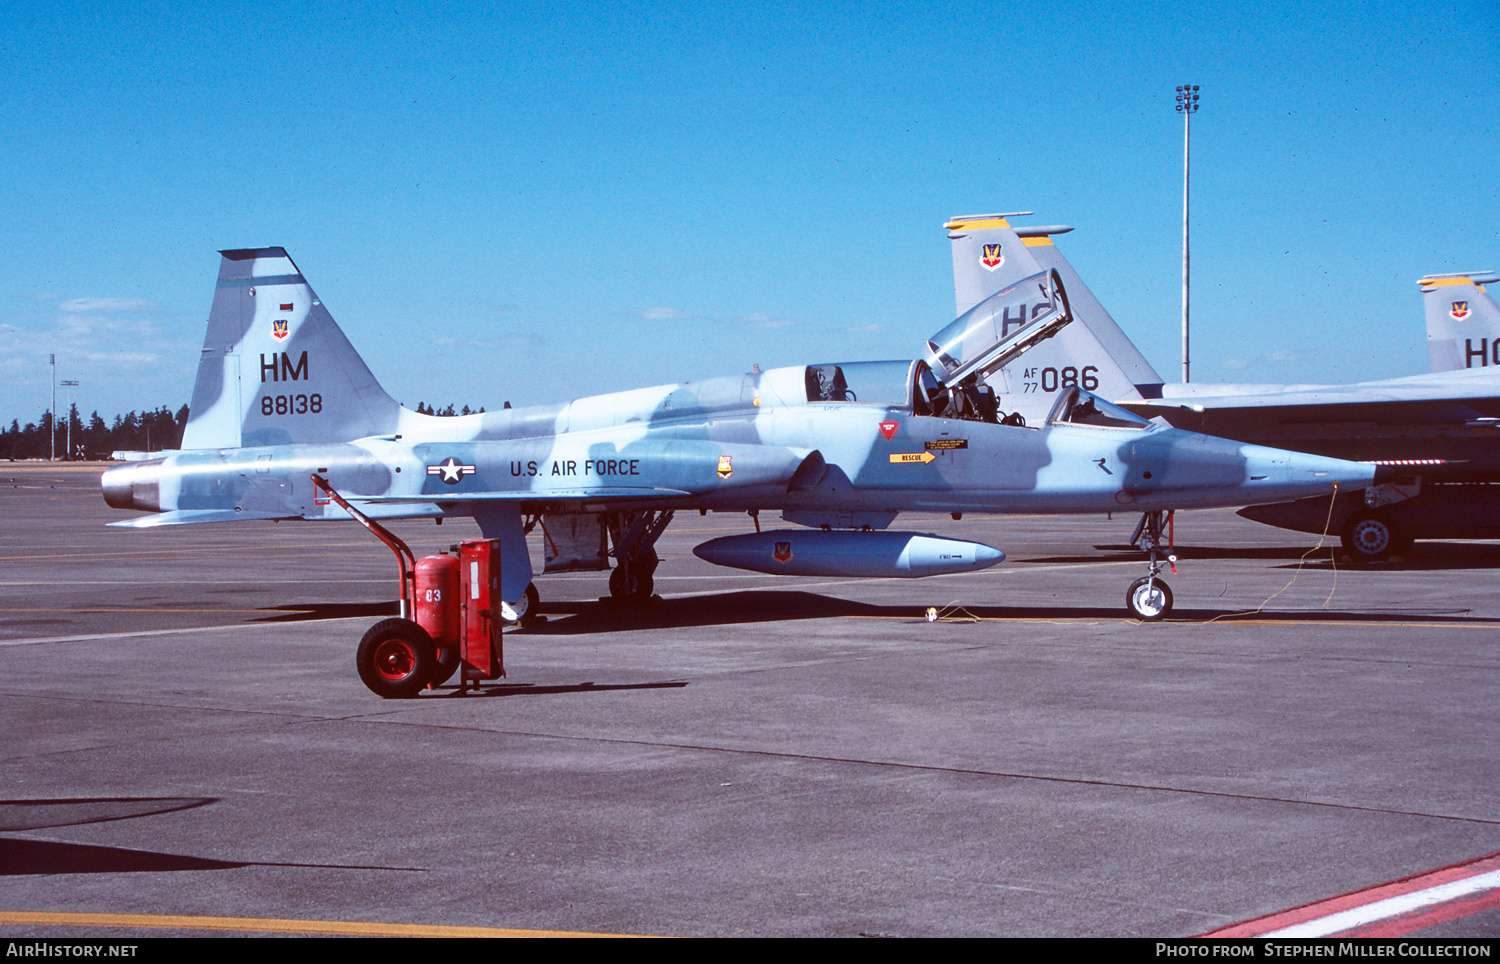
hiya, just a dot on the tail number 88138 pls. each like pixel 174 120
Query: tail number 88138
pixel 291 404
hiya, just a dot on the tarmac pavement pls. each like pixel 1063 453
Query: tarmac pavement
pixel 185 737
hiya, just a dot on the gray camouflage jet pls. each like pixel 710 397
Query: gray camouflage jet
pixel 1437 430
pixel 839 449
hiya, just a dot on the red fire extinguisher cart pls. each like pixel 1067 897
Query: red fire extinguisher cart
pixel 450 616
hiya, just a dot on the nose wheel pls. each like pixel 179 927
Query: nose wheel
pixel 1150 599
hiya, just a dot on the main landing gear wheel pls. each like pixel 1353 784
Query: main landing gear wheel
pixel 632 578
pixel 396 659
pixel 1372 536
pixel 525 607
pixel 1148 599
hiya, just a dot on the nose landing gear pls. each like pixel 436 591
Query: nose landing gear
pixel 1150 599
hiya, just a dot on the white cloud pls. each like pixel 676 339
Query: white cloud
pixel 763 322
pixel 662 314
pixel 91 306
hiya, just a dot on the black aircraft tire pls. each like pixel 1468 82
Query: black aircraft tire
pixel 1372 536
pixel 1148 600
pixel 641 569
pixel 396 659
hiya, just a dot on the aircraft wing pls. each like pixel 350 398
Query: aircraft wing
pixel 613 493
pixel 1463 389
pixel 1448 417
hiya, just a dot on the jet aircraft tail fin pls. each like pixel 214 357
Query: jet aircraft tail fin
pixel 990 254
pixel 275 367
pixel 1463 322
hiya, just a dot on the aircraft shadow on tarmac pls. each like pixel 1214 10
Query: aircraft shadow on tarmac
pixel 527 689
pixel 76 811
pixel 752 606
pixel 761 606
pixel 23 857
pixel 302 612
pixel 1422 556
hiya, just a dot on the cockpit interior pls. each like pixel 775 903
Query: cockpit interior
pixel 911 385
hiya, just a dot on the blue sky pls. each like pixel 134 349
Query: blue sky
pixel 532 203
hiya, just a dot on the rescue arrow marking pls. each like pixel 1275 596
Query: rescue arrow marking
pixel 912 457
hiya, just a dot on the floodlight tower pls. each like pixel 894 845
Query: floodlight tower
pixel 1187 106
pixel 70 384
pixel 52 415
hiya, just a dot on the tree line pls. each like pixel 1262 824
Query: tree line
pixel 94 438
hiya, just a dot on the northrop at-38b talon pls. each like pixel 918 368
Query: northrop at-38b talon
pixel 839 449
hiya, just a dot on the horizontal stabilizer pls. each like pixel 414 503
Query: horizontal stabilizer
pixel 182 517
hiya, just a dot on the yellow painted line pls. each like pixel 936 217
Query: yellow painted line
pixel 977 225
pixel 1228 620
pixel 1036 242
pixel 1444 282
pixel 276 925
pixel 901 457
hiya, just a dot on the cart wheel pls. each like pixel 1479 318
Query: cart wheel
pixel 445 664
pixel 1148 599
pixel 396 658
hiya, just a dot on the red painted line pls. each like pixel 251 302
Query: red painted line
pixel 1296 915
pixel 1431 917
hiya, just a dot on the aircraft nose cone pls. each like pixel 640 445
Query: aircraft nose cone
pixel 986 555
pixel 1318 469
pixel 1273 475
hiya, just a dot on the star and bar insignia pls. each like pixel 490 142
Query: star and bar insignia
pixel 451 470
